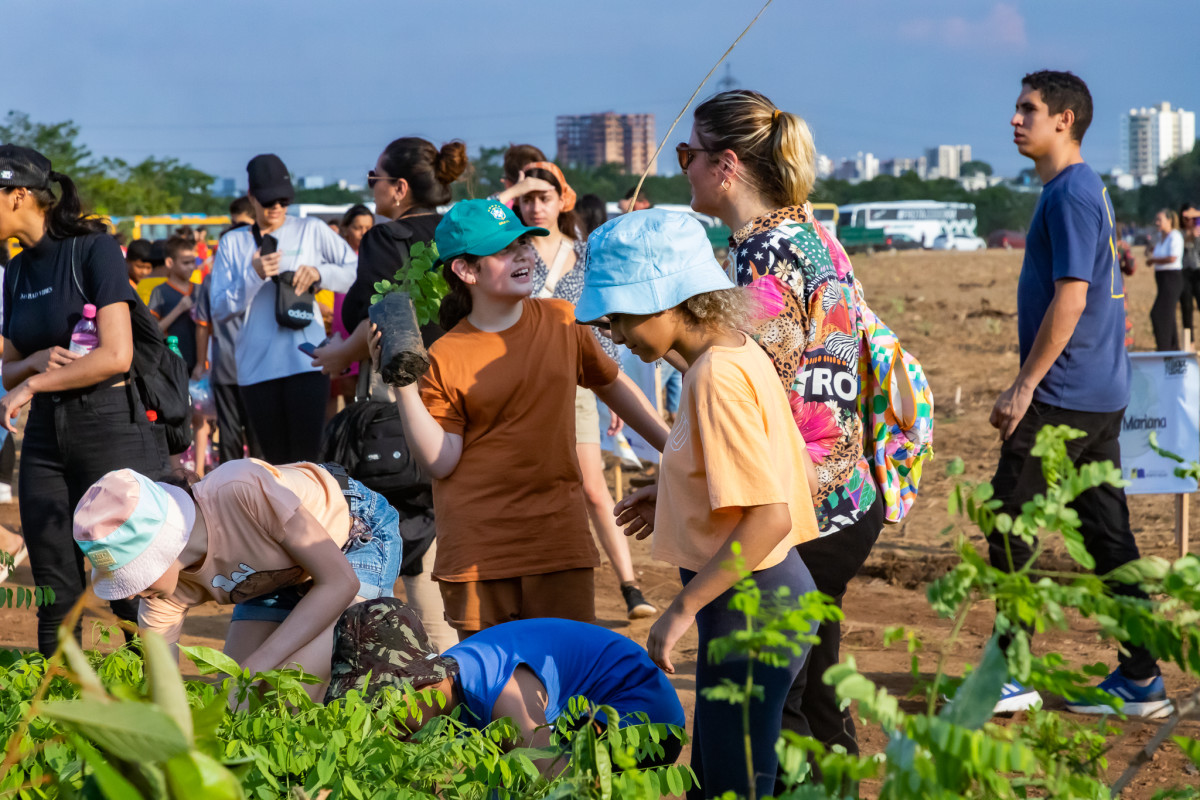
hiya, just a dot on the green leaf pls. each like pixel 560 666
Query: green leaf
pixel 209 661
pixel 1189 746
pixel 977 696
pixel 126 729
pixel 89 682
pixel 166 685
pixel 113 785
pixel 196 776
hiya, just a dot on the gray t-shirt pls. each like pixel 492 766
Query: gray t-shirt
pixel 222 367
pixel 263 350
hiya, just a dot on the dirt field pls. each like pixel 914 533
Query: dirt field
pixel 957 314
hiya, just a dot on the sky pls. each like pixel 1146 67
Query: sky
pixel 327 85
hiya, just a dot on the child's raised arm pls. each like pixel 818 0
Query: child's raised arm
pixel 627 401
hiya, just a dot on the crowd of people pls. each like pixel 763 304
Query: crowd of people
pixel 1174 254
pixel 764 453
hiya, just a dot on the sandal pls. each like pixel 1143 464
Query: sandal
pixel 17 559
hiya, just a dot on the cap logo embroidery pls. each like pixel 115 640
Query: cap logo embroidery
pixel 6 174
pixel 99 558
pixel 497 212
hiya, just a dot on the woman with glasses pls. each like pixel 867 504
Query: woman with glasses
pixel 410 180
pixel 86 418
pixel 753 166
pixel 284 395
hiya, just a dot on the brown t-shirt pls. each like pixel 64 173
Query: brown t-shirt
pixel 251 509
pixel 514 504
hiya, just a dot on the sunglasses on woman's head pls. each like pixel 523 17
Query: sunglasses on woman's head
pixel 686 153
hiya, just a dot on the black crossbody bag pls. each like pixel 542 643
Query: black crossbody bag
pixel 292 310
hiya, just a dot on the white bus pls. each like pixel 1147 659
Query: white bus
pixel 922 220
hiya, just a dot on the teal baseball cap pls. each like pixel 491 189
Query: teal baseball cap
pixel 479 228
pixel 645 262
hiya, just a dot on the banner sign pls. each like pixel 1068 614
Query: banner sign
pixel 1165 401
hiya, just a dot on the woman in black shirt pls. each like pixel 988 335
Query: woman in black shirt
pixel 85 417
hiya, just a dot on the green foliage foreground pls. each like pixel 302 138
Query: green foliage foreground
pixel 126 726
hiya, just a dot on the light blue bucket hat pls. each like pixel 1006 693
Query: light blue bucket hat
pixel 645 262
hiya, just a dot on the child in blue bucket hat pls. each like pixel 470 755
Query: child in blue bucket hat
pixel 493 423
pixel 735 469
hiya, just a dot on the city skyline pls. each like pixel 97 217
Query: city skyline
pixel 889 78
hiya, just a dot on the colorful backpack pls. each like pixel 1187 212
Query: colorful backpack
pixel 896 405
pixel 894 401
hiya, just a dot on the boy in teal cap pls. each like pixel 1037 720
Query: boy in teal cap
pixel 493 422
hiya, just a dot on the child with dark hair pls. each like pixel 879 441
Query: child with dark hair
pixel 137 257
pixel 171 300
pixel 735 476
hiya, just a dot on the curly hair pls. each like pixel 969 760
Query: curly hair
pixel 724 308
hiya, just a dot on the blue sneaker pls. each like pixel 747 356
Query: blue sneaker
pixel 1016 696
pixel 1148 702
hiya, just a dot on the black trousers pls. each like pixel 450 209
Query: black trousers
pixel 812 708
pixel 1162 313
pixel 1103 511
pixel 233 436
pixel 8 460
pixel 286 416
pixel 1189 296
pixel 71 440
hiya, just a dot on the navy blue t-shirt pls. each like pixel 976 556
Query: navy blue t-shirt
pixel 1071 236
pixel 570 659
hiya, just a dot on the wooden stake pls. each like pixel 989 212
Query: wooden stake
pixel 1181 523
pixel 619 480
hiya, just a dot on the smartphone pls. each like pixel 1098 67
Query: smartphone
pixel 308 348
pixel 269 245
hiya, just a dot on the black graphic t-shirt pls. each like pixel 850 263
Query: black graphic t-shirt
pixel 43 300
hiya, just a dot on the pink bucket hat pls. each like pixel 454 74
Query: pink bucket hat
pixel 132 530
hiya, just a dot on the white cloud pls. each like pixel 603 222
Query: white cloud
pixel 1003 26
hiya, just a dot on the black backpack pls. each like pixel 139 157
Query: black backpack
pixel 160 376
pixel 367 438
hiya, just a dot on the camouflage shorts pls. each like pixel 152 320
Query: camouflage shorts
pixel 381 643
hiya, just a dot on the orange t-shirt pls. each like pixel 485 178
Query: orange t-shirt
pixel 734 445
pixel 251 508
pixel 514 504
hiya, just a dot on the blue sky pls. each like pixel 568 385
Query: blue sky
pixel 326 85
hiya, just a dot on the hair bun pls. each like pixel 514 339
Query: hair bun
pixel 451 162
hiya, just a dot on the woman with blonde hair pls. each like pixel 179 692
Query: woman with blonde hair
pixel 753 166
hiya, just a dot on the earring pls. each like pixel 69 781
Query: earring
pixel 725 185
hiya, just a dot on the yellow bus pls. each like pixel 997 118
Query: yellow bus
pixel 161 226
pixel 827 215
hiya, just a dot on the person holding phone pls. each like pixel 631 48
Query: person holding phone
pixel 284 395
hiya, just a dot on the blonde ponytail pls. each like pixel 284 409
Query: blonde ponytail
pixel 776 148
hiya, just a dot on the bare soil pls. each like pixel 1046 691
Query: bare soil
pixel 957 313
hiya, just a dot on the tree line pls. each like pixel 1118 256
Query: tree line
pixel 115 187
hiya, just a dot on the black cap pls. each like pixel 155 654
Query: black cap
pixel 21 166
pixel 158 253
pixel 269 179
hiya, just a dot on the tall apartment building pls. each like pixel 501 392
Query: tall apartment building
pixel 946 160
pixel 898 166
pixel 590 140
pixel 1150 137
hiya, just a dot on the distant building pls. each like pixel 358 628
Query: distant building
pixel 223 187
pixel 312 182
pixel 898 166
pixel 590 140
pixel 866 165
pixel 824 166
pixel 978 182
pixel 946 160
pixel 1150 137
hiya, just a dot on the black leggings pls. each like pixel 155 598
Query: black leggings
pixel 71 441
pixel 233 434
pixel 286 416
pixel 1162 313
pixel 1189 296
pixel 8 460
pixel 812 707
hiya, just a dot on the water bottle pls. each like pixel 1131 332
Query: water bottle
pixel 173 345
pixel 86 335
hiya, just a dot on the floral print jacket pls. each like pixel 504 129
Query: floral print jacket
pixel 807 323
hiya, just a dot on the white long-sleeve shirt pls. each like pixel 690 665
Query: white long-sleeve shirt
pixel 265 351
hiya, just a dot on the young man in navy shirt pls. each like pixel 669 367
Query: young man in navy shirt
pixel 1074 368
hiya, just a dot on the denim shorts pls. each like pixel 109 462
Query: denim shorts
pixel 374 550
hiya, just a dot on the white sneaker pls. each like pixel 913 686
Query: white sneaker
pixel 1015 697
